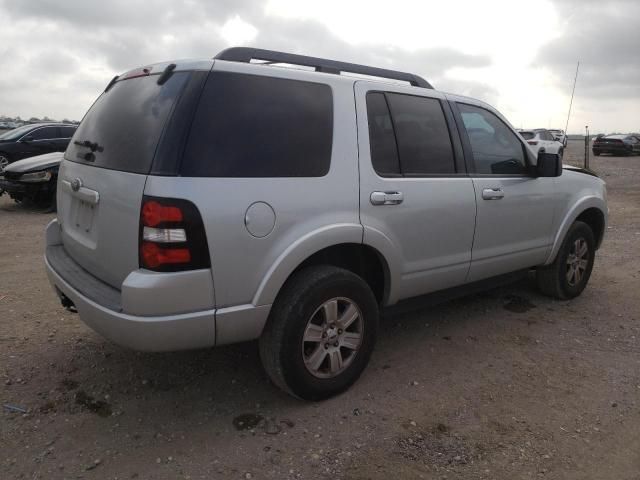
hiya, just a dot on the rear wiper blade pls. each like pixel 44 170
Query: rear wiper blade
pixel 111 83
pixel 93 146
pixel 164 76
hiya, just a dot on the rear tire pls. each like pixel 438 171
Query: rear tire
pixel 320 333
pixel 569 274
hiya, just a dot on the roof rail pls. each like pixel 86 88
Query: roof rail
pixel 246 54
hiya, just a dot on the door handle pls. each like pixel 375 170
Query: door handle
pixel 492 194
pixel 386 198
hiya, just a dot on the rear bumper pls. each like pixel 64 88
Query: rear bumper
pixel 108 311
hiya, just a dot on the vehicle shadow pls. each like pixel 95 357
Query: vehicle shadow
pixel 9 205
pixel 223 384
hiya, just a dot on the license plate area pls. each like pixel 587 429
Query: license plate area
pixel 82 216
pixel 80 222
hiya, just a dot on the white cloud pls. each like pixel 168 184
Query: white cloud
pixel 236 31
pixel 56 56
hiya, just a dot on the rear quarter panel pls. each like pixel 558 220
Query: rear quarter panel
pixel 311 213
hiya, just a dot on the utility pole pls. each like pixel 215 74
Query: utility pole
pixel 586 147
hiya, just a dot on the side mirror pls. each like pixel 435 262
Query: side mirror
pixel 549 165
pixel 26 139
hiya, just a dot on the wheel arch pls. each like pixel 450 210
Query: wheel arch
pixel 590 210
pixel 340 246
pixel 363 260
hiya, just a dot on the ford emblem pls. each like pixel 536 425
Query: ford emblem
pixel 76 184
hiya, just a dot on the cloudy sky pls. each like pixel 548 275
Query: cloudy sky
pixel 56 56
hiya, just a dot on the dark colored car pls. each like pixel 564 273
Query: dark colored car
pixel 35 139
pixel 616 145
pixel 33 179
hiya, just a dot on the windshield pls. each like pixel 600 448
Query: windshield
pixel 123 127
pixel 527 135
pixel 16 132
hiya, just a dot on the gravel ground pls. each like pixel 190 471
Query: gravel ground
pixel 506 384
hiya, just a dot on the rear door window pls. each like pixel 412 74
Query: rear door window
pixel 256 126
pixel 408 135
pixel 382 139
pixel 126 122
pixel 423 137
pixel 44 133
pixel 67 132
pixel 496 149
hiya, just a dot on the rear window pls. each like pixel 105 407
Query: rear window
pixel 527 135
pixel 254 126
pixel 125 124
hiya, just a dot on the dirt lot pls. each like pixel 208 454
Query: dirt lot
pixel 507 384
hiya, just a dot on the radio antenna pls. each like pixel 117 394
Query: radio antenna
pixel 571 102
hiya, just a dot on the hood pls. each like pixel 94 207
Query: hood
pixel 586 171
pixel 34 164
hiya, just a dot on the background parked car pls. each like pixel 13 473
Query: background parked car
pixel 541 140
pixel 33 179
pixel 616 145
pixel 35 139
pixel 560 136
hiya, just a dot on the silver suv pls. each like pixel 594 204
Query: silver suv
pixel 218 201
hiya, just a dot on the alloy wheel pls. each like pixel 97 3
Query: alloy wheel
pixel 332 337
pixel 577 261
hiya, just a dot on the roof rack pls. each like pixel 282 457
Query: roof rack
pixel 245 55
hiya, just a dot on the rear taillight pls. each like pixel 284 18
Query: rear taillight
pixel 532 142
pixel 172 236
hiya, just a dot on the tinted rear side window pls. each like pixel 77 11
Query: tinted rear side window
pixel 126 123
pixel 382 140
pixel 423 137
pixel 45 133
pixel 67 132
pixel 254 126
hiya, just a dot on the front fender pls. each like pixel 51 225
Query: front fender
pixel 572 214
pixel 298 252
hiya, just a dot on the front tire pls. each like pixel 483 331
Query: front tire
pixel 4 160
pixel 569 274
pixel 320 333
